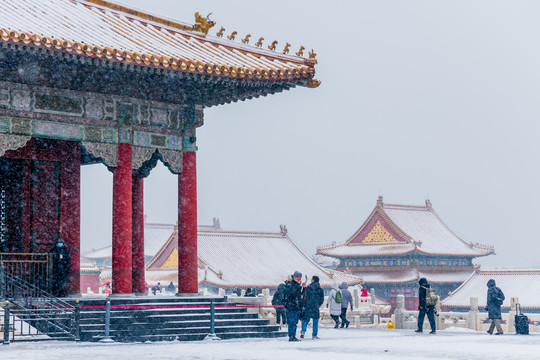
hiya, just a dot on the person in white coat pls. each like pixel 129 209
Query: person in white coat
pixel 335 307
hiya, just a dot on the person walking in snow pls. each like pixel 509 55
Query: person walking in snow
pixel 346 302
pixel 314 300
pixel 424 309
pixel 278 300
pixel 293 298
pixel 334 302
pixel 495 299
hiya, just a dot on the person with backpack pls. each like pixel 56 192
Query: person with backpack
pixel 334 302
pixel 427 299
pixel 278 300
pixel 314 300
pixel 293 298
pixel 495 299
pixel 346 301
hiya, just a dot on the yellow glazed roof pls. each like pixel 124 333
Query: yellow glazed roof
pixel 105 30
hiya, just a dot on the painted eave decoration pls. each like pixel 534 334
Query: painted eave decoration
pixel 104 30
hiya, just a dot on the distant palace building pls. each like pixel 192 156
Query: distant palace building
pixel 226 259
pixel 521 283
pixel 399 244
pixel 242 259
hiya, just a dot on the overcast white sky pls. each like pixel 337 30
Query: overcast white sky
pixel 418 98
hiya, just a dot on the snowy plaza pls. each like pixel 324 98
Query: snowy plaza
pixel 322 135
pixel 370 344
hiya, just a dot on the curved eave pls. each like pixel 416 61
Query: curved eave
pixel 328 253
pixel 479 253
pixel 300 75
pixel 397 281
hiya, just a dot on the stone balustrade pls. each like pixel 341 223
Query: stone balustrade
pixel 472 319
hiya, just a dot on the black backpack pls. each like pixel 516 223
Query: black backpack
pixel 500 296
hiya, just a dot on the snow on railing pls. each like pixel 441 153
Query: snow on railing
pixel 473 319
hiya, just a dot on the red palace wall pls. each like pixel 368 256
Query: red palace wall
pixel 89 281
pixel 47 188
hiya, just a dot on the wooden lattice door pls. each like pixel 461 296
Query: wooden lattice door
pixel 44 204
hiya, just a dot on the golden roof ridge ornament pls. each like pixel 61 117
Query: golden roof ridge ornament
pixel 313 83
pixel 273 45
pixel 286 49
pixel 259 42
pixel 300 52
pixel 233 35
pixel 312 55
pixel 246 39
pixel 202 24
pixel 220 32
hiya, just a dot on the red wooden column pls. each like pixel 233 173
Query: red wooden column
pixel 122 222
pixel 137 253
pixel 70 210
pixel 187 225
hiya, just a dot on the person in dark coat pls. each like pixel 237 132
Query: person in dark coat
pixel 314 300
pixel 424 309
pixel 171 288
pixel 249 293
pixel 346 302
pixel 60 259
pixel 293 297
pixel 278 300
pixel 495 298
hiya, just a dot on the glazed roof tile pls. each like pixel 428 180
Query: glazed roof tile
pixel 419 229
pixel 105 30
pixel 154 236
pixel 230 259
pixel 524 284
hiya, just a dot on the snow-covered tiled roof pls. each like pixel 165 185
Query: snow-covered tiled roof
pixel 437 277
pixel 105 30
pixel 155 235
pixel 413 275
pixel 88 266
pixel 230 259
pixel 344 250
pixel 523 284
pixel 390 277
pixel 407 229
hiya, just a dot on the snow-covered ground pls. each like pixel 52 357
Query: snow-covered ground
pixel 334 344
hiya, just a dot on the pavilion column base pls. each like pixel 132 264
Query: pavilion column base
pixel 186 294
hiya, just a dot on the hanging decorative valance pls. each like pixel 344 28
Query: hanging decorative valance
pixel 12 142
pixel 172 159
pixel 108 153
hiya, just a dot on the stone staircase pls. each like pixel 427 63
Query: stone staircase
pixel 155 318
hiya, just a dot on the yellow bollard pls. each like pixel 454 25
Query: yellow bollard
pixel 390 325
